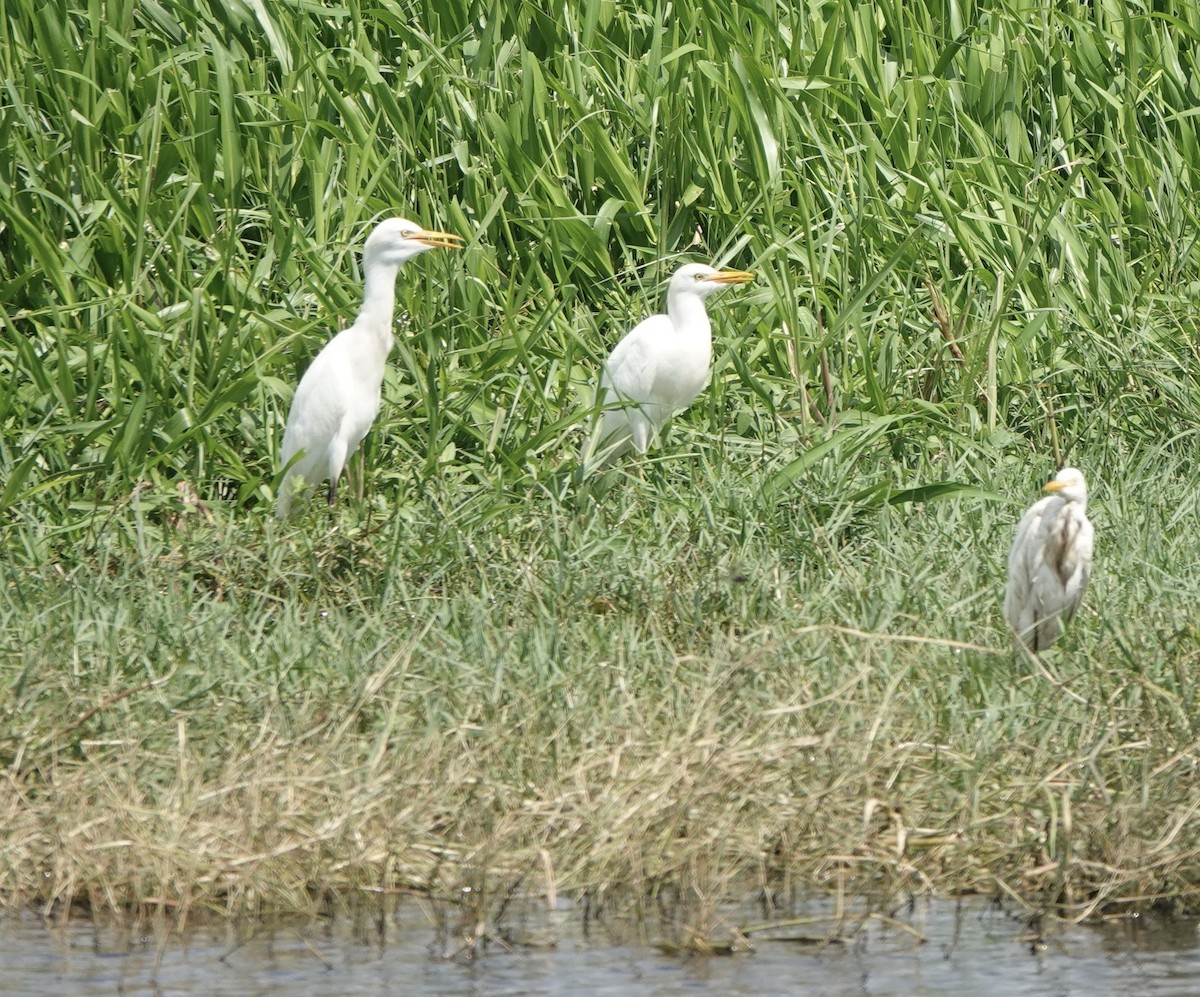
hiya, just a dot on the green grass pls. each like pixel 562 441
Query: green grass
pixel 770 649
pixel 243 720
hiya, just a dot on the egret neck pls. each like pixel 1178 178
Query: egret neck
pixel 690 318
pixel 379 304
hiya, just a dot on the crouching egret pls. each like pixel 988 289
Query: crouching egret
pixel 659 367
pixel 1050 562
pixel 338 396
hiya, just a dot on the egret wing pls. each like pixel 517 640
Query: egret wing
pixel 627 393
pixel 317 406
pixel 1037 592
pixel 1067 562
pixel 1023 559
pixel 631 368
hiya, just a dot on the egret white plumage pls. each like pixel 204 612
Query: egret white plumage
pixel 659 367
pixel 338 397
pixel 1050 562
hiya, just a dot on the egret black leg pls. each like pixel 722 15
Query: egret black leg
pixel 332 495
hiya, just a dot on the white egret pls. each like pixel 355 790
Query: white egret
pixel 338 396
pixel 659 367
pixel 1050 562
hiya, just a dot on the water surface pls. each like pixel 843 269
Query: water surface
pixel 974 949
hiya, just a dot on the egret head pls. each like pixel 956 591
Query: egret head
pixel 396 240
pixel 1070 484
pixel 701 279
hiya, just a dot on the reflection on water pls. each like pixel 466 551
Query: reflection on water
pixel 974 949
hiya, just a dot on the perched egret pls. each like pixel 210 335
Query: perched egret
pixel 338 396
pixel 1050 562
pixel 659 367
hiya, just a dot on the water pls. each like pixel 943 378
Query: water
pixel 977 950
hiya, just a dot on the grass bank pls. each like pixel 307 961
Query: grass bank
pixel 234 717
pixel 772 650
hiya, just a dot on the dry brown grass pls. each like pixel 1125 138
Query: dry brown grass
pixel 725 777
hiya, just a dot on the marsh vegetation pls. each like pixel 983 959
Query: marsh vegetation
pixel 771 651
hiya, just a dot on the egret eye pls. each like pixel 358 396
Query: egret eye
pixel 699 276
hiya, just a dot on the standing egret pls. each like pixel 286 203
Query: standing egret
pixel 1050 562
pixel 338 396
pixel 659 367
